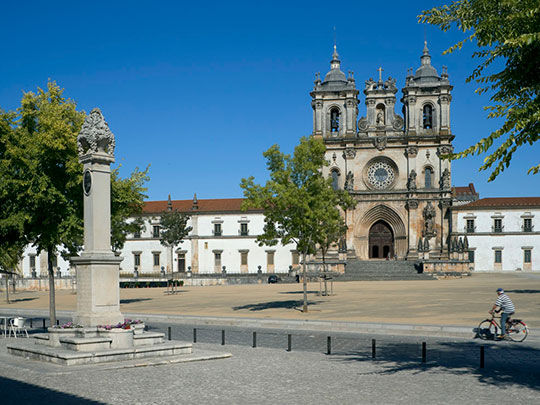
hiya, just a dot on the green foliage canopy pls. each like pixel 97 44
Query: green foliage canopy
pixel 506 31
pixel 299 204
pixel 174 228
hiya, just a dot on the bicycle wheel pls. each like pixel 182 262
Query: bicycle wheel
pixel 518 331
pixel 486 330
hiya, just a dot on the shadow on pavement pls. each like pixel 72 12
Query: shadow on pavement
pixel 19 392
pixel 523 291
pixel 132 300
pixel 299 292
pixel 13 301
pixel 261 306
pixel 504 366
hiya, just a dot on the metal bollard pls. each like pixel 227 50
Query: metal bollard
pixel 329 345
pixel 57 322
pixel 223 337
pixel 169 330
pixel 424 349
pixel 43 323
pixel 373 348
pixel 31 322
pixel 289 343
pixel 194 335
pixel 254 339
pixel 482 356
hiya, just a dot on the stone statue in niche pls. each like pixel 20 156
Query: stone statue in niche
pixel 411 182
pixel 380 118
pixel 426 245
pixel 429 220
pixel 349 181
pixel 445 179
pixel 342 245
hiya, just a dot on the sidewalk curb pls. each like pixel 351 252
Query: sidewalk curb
pixel 289 324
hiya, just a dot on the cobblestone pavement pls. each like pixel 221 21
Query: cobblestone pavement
pixel 306 375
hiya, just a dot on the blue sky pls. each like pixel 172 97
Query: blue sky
pixel 199 90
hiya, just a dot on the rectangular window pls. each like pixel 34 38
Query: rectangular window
pixel 470 226
pixel 244 258
pixel 243 229
pixel 270 258
pixel 137 259
pixel 181 262
pixel 156 259
pixel 498 256
pixel 527 225
pixel 527 256
pixel 497 225
pixel 217 259
pixel 471 256
pixel 155 231
pixel 217 229
pixel 32 261
pixel 295 258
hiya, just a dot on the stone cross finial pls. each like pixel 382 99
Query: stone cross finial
pixel 380 69
pixel 95 135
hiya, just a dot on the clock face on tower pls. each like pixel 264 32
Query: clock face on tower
pixel 380 175
pixel 87 182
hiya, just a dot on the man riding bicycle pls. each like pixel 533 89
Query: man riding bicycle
pixel 504 304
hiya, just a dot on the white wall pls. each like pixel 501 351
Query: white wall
pixel 512 239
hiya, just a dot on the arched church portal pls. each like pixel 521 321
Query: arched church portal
pixel 381 241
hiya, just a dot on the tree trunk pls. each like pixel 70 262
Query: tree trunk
pixel 52 303
pixel 7 288
pixel 324 273
pixel 172 261
pixel 304 283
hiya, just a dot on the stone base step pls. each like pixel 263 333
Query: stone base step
pixel 63 356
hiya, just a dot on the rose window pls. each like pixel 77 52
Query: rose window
pixel 380 175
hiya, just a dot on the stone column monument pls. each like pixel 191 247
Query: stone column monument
pixel 98 296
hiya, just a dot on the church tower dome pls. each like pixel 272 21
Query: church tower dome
pixel 334 102
pixel 426 100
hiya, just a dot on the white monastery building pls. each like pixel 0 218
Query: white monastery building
pixel 393 165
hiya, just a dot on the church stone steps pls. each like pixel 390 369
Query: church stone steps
pixel 366 270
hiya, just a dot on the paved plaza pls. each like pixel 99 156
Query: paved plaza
pixel 462 302
pixel 269 373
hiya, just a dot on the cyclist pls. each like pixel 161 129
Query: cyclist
pixel 504 304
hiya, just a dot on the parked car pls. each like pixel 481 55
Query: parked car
pixel 273 278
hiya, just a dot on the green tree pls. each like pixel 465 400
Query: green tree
pixel 127 200
pixel 508 32
pixel 9 259
pixel 333 232
pixel 174 229
pixel 41 180
pixel 299 204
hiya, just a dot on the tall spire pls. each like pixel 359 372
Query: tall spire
pixel 169 204
pixel 426 57
pixel 195 205
pixel 335 62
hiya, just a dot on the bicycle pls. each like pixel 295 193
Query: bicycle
pixel 489 329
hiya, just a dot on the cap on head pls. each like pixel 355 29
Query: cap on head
pixel 500 290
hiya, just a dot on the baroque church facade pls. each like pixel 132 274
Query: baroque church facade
pixel 391 162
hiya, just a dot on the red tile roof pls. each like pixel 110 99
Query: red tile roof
pixel 211 205
pixel 504 202
pixel 464 190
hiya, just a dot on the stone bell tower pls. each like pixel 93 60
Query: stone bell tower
pixel 98 298
pixel 335 103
